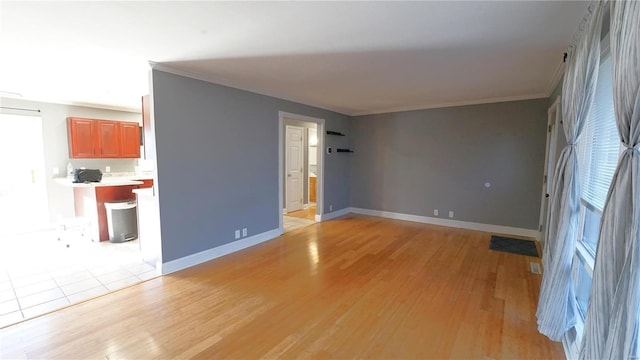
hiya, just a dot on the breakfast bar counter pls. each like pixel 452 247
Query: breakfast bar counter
pixel 89 199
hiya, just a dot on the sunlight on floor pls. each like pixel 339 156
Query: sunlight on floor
pixel 39 273
pixel 292 223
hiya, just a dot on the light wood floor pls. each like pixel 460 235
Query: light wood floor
pixel 352 287
pixel 309 213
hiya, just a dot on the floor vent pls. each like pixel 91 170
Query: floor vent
pixel 535 268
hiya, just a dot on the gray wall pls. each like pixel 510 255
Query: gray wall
pixel 56 148
pixel 417 161
pixel 217 162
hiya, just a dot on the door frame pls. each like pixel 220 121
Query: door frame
pixel 320 166
pixel 303 181
pixel 554 114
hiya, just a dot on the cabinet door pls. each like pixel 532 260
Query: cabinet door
pixel 130 140
pixel 82 138
pixel 146 183
pixel 108 139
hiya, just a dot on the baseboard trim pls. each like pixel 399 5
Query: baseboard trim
pixel 216 252
pixel 500 229
pixel 334 214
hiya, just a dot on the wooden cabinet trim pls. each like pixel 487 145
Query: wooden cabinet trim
pixel 105 139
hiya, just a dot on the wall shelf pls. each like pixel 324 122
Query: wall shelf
pixel 344 150
pixel 329 132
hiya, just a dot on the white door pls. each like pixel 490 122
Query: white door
pixel 23 194
pixel 294 161
pixel 553 126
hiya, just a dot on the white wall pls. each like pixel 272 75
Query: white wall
pixel 56 148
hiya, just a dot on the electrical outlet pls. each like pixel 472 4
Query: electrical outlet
pixel 244 232
pixel 237 234
pixel 330 207
pixel 435 212
pixel 107 169
pixel 56 171
pixel 329 150
pixel 451 214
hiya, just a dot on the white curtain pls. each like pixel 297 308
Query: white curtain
pixel 611 329
pixel 557 303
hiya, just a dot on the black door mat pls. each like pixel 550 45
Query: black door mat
pixel 514 246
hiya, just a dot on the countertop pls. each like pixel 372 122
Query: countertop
pixel 108 180
pixel 144 192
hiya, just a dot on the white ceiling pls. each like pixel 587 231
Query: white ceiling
pixel 352 57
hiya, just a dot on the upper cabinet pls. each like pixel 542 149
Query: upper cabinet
pixel 129 140
pixel 82 138
pixel 108 139
pixel 92 138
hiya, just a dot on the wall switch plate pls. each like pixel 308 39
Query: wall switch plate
pixel 330 207
pixel 237 234
pixel 451 214
pixel 435 212
pixel 244 232
pixel 56 171
pixel 107 169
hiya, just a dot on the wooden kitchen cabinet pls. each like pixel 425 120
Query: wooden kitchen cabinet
pixel 82 138
pixel 129 140
pixel 95 138
pixel 147 183
pixel 108 138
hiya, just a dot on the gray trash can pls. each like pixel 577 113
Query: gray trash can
pixel 122 220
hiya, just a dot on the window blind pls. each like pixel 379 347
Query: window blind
pixel 599 145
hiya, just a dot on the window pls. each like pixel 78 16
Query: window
pixel 598 153
pixel 590 228
pixel 599 145
pixel 582 281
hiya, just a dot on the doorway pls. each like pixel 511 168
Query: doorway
pixel 300 168
pixel 554 115
pixel 49 261
pixel 294 156
pixel 23 194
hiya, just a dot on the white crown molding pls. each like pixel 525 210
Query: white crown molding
pixel 453 104
pixel 499 229
pixel 216 252
pixel 77 103
pixel 229 83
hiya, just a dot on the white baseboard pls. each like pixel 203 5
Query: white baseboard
pixel 216 252
pixel 332 215
pixel 500 229
pixel 210 254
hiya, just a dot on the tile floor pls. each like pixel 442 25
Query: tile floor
pixel 39 274
pixel 291 223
